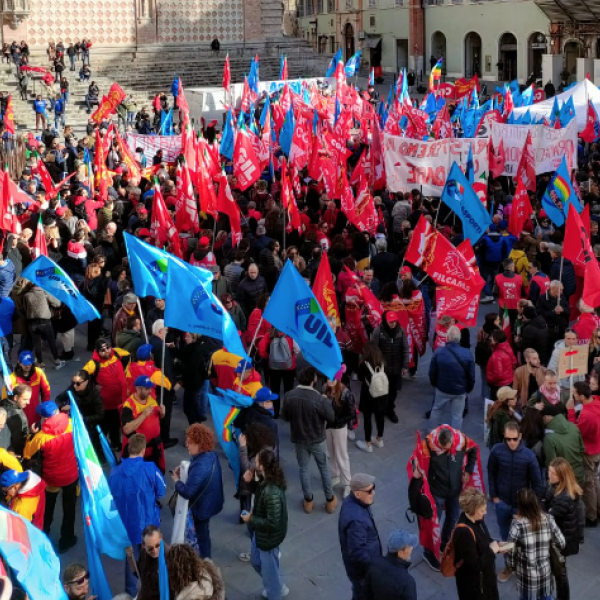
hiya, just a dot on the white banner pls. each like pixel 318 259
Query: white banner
pixel 150 144
pixel 417 164
pixel 549 145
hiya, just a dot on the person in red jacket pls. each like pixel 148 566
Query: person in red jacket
pixel 107 367
pixel 54 442
pixel 502 363
pixel 145 365
pixel 587 321
pixel 25 494
pixel 588 422
pixel 510 289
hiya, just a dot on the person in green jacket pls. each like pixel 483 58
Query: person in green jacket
pixel 563 439
pixel 268 522
pixel 500 413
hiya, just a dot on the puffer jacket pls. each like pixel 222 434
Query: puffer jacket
pixel 535 334
pixel 567 277
pixel 110 374
pixel 7 277
pixel 501 366
pixel 394 349
pixel 509 471
pixel 204 486
pixel 452 369
pixel 248 290
pixel 269 518
pixel 565 511
pixel 564 439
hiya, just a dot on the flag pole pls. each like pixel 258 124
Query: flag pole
pixel 284 240
pixel 250 352
pixel 139 305
pixel 162 367
pixel 214 234
pixel 562 260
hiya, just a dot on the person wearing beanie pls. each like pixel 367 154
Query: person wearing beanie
pixel 25 494
pixel 388 577
pixel 129 308
pixel 202 256
pixel 53 444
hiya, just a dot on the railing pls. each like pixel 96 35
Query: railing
pixel 12 154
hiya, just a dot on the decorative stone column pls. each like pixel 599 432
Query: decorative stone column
pixel 416 38
pixel 145 21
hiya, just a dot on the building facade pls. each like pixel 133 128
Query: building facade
pixel 498 39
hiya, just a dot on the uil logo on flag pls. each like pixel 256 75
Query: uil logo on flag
pixel 310 323
pixel 199 298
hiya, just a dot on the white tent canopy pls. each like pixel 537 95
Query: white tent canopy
pixel 581 93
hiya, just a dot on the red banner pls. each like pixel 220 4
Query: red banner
pixel 109 103
pixel 464 87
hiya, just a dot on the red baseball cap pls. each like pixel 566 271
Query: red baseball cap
pixel 391 317
pixel 405 270
pixel 145 232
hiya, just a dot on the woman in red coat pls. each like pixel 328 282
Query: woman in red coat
pixel 502 363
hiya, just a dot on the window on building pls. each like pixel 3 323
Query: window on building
pixel 320 7
pixel 457 1
pixel 372 21
pixel 332 44
pixel 349 4
pixel 301 8
pixel 372 3
pixel 399 2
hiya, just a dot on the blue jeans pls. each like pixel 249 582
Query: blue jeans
pixel 487 272
pixel 266 564
pixel 195 404
pixel 203 537
pixel 59 119
pixel 303 454
pixel 131 581
pixel 72 61
pixel 65 96
pixel 457 405
pixel 504 516
pixel 452 509
pixel 130 117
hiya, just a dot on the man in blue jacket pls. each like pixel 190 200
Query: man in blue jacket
pixel 511 467
pixel 136 486
pixel 39 107
pixel 452 374
pixel 359 538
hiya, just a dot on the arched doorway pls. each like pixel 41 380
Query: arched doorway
pixel 536 49
pixel 348 40
pixel 472 54
pixel 507 57
pixel 438 46
pixel 571 55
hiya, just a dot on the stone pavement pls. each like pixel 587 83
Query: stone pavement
pixel 311 559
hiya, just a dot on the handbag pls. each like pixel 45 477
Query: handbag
pixel 172 502
pixel 557 560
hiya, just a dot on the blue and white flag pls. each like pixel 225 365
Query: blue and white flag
pixel 353 65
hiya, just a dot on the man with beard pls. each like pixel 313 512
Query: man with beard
pixel 76 582
pixel 147 565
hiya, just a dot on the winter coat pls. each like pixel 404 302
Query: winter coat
pixel 588 422
pixel 40 389
pixel 452 369
pixel 110 374
pixel 565 382
pixel 511 470
pixel 269 518
pixel 17 424
pixel 564 439
pixel 446 469
pixel 137 483
pixel 359 538
pixel 7 277
pixel 501 366
pixel 565 511
pixel 493 249
pixel 14 256
pixel 535 334
pixel 345 411
pixel 388 579
pixel 30 501
pixel 210 587
pixel 7 311
pixel 568 274
pixel 557 323
pixel 476 577
pixel 37 304
pixel 499 420
pixel 248 290
pixel 192 365
pixel 89 404
pixel 307 412
pixel 237 315
pixel 204 486
pixel 393 347
pixel 129 340
pixel 264 349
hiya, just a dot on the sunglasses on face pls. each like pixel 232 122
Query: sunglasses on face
pixel 511 439
pixel 79 581
pixel 370 491
pixel 78 382
pixel 155 547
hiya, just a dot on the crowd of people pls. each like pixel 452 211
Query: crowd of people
pixel 543 430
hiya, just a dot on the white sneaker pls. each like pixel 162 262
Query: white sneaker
pixel 351 435
pixel 378 442
pixel 335 481
pixel 285 590
pixel 244 556
pixel 59 364
pixel 362 445
pixel 346 491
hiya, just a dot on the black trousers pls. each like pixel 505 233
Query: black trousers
pixel 368 425
pixel 93 332
pixel 275 379
pixel 112 427
pixel 563 591
pixel 395 387
pixel 69 502
pixel 42 328
pixel 165 422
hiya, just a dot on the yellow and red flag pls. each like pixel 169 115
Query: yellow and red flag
pixel 9 116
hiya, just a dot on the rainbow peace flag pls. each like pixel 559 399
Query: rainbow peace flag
pixel 436 73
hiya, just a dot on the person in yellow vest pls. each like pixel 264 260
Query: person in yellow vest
pixel 25 494
pixel 250 378
pixel 222 369
pixel 9 461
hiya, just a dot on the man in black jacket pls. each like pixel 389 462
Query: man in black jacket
pixel 388 577
pixel 554 307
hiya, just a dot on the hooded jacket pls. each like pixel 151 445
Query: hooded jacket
pixel 137 483
pixel 500 368
pixel 563 439
pixel 7 277
pixel 30 502
pixel 589 425
pixel 535 334
pixel 210 587
pixel 110 374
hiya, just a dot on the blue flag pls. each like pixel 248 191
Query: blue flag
pixel 227 139
pixel 559 194
pixel 99 585
pixel 191 306
pixel 225 408
pixel 470 170
pixel 46 274
pixel 567 112
pixel 30 554
pixel 163 574
pixel 265 112
pixel 166 123
pixel 460 197
pixel 287 132
pixel 353 65
pixel 333 64
pixel 294 310
pixel 5 372
pixel 527 96
pixel 109 455
pixel 555 114
pixel 253 76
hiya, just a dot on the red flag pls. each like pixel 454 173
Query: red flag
pixel 300 147
pixel 577 247
pixel 9 116
pixel 508 103
pixel 127 157
pixel 188 147
pixel 364 210
pixel 6 201
pixel 184 109
pixel 324 290
pixel 162 227
pixel 359 170
pixel 186 209
pixel 442 127
pixel 497 160
pixel 416 246
pixel 246 103
pixel 227 74
pixel 227 204
pixel 39 246
pixel 591 283
pixel 521 210
pixel 206 189
pixel 526 168
pixel 377 162
pixel 42 171
pixel 288 200
pixel 246 165
pixel 592 129
pixel 284 70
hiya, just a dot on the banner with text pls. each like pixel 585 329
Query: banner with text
pixel 413 163
pixel 549 145
pixel 150 144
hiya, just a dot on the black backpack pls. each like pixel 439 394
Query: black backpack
pixel 418 502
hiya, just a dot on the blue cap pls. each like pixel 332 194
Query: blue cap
pixel 503 225
pixel 144 352
pixel 11 477
pixel 400 539
pixel 46 409
pixel 265 395
pixel 144 381
pixel 26 358
pixel 243 365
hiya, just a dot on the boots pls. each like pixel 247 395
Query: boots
pixel 331 504
pixel 308 505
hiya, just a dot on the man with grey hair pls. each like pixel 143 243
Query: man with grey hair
pixel 452 374
pixel 385 265
pixel 554 307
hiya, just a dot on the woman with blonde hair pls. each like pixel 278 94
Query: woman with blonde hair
pixel 475 550
pixel 562 501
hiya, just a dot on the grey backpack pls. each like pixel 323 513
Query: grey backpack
pixel 280 355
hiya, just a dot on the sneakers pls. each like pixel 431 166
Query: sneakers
pixel 351 435
pixel 244 556
pixel 378 442
pixel 308 505
pixel 504 575
pixel 285 590
pixel 486 299
pixel 330 505
pixel 346 492
pixel 361 445
pixel 432 562
pixel 59 364
pixel 335 481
